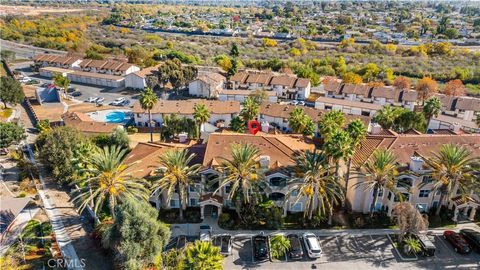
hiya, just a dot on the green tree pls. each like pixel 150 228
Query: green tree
pixel 178 75
pixel 386 116
pixel 176 175
pixel 237 124
pixel 259 96
pixel 43 125
pixel 452 167
pixel 56 148
pixel 357 132
pixel 338 147
pixel 379 172
pixel 300 122
pixel 370 72
pixel 10 91
pixel 340 66
pixel 11 133
pixel 232 70
pixel 120 137
pixel 201 115
pixel 203 256
pixel 61 81
pixel 148 99
pixel 234 53
pixel 241 172
pixel 250 109
pixel 407 120
pixel 279 246
pixel 136 237
pixel 432 107
pixel 316 182
pixel 329 122
pixel 109 179
pixel 353 78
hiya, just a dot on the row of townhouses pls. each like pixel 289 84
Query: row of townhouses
pixel 365 100
pixel 277 156
pixel 241 85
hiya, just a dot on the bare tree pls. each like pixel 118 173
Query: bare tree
pixel 409 219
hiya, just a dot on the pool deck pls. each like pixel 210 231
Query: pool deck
pixel 101 116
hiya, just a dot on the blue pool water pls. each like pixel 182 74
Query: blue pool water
pixel 115 117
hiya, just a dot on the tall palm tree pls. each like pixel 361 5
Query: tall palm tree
pixel 109 179
pixel 380 172
pixel 176 175
pixel 203 255
pixel 452 167
pixel 250 109
pixel 148 99
pixel 300 122
pixel 357 132
pixel 386 116
pixel 201 115
pixel 432 107
pixel 338 147
pixel 315 180
pixel 330 122
pixel 242 173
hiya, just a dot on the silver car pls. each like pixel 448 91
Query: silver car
pixel 312 245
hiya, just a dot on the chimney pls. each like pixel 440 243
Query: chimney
pixel 265 127
pixel 265 162
pixel 375 128
pixel 456 127
pixel 182 137
pixel 416 163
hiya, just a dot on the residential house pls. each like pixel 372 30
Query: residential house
pixel 207 84
pixel 61 61
pixel 85 124
pixel 137 80
pixel 410 150
pixel 221 112
pixel 241 95
pixel 258 80
pixel 347 106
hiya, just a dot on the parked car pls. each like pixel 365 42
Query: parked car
pixel 457 241
pixel 71 89
pixel 301 103
pixel 472 237
pixel 312 245
pixel 224 242
pixel 100 100
pixel 428 248
pixel 118 101
pixel 260 248
pixel 294 102
pixel 76 94
pixel 296 250
pixel 92 99
pixel 205 232
pixel 125 103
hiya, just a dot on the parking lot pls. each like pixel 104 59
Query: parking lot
pixel 110 94
pixel 354 252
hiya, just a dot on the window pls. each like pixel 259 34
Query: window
pixel 227 189
pixel 174 204
pixel 405 197
pixel 422 207
pixel 435 204
pixel 427 179
pixel 193 202
pixel 228 203
pixel 192 188
pixel 378 206
pixel 404 182
pixel 423 193
pixel 390 195
pixel 380 193
pixel 294 193
pixel 278 181
pixel 297 207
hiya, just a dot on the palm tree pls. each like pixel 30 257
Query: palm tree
pixel 300 122
pixel 203 255
pixel 386 116
pixel 241 172
pixel 357 131
pixel 317 183
pixel 148 99
pixel 250 109
pixel 433 106
pixel 279 245
pixel 201 116
pixel 379 172
pixel 107 177
pixel 330 122
pixel 452 167
pixel 176 175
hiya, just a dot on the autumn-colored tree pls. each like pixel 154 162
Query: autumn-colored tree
pixel 454 88
pixel 402 83
pixel 426 87
pixel 269 42
pixel 353 78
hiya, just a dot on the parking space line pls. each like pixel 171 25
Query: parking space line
pixel 455 254
pixel 377 250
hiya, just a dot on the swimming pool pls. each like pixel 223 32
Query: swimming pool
pixel 111 116
pixel 115 117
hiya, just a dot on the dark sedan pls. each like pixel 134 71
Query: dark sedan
pixel 457 241
pixel 472 237
pixel 296 250
pixel 260 249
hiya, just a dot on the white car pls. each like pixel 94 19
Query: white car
pixel 100 100
pixel 312 245
pixel 92 99
pixel 301 103
pixel 25 79
pixel 294 102
pixel 205 233
pixel 118 102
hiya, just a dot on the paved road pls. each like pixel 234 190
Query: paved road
pixel 25 51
